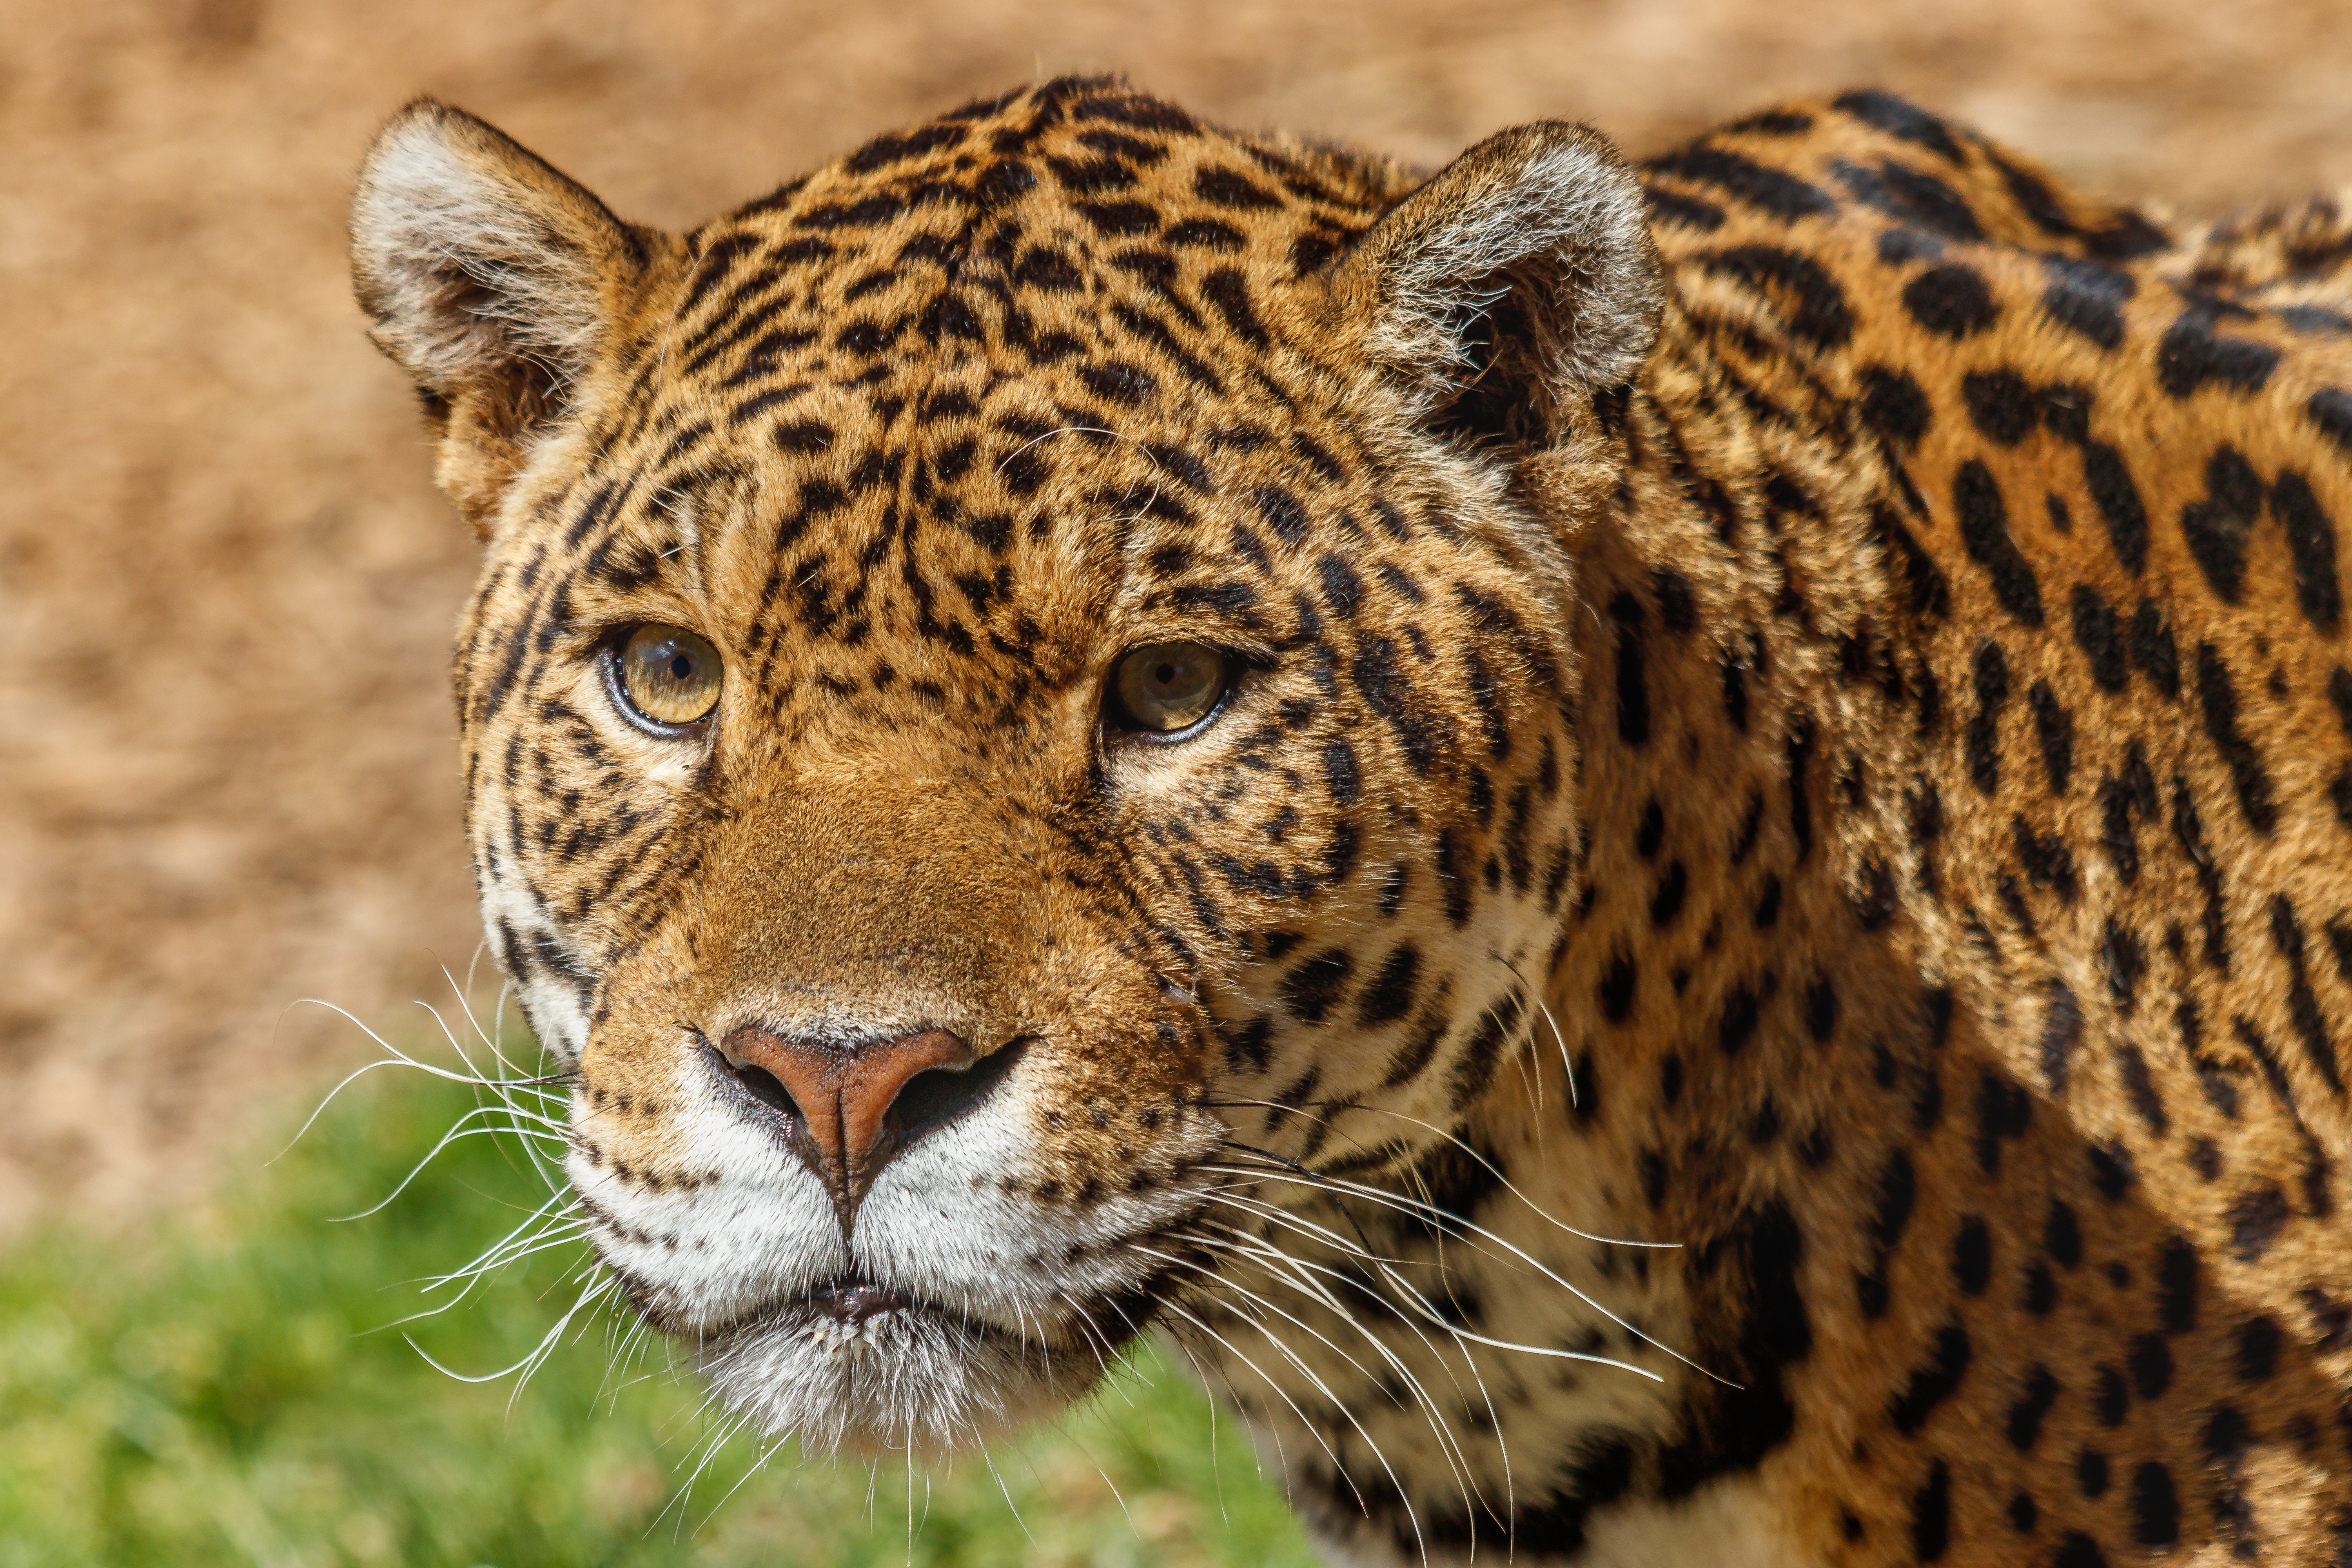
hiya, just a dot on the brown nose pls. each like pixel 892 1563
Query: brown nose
pixel 840 1098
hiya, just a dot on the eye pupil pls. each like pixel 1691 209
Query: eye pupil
pixel 1165 687
pixel 668 675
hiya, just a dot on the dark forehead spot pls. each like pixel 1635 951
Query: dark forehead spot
pixel 1133 109
pixel 1804 292
pixel 2088 297
pixel 1952 300
pixel 1892 405
pixel 1909 196
pixel 884 150
pixel 1120 383
pixel 1205 234
pixel 2001 405
pixel 1770 190
pixel 2192 356
pixel 1119 219
pixel 1232 188
pixel 1885 112
pixel 1984 532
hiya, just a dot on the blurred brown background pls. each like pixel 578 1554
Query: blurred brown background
pixel 227 775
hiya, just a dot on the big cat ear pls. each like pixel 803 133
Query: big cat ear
pixel 1522 275
pixel 493 280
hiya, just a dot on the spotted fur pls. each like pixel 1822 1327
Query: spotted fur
pixel 1756 969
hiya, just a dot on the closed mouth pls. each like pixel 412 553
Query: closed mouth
pixel 853 1300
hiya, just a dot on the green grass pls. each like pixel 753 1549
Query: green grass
pixel 221 1388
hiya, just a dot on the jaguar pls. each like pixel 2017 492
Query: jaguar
pixel 1655 855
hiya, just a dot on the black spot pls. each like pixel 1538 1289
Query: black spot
pixel 1951 301
pixel 1773 191
pixel 2040 1292
pixel 1972 1256
pixel 2255 1219
pixel 1821 1010
pixel 2219 696
pixel 1281 513
pixel 2088 297
pixel 1984 531
pixel 2153 650
pixel 2025 1416
pixel 2100 636
pixel 2155 1507
pixel 2048 861
pixel 1738 1024
pixel 1617 987
pixel 2055 728
pixel 1898 1188
pixel 2217 526
pixel 2061 1033
pixel 1682 211
pixel 2024 1513
pixel 1909 196
pixel 1632 690
pixel 2001 405
pixel 1984 737
pixel 1119 219
pixel 2109 480
pixel 1932 1382
pixel 1931 1514
pixel 1340 771
pixel 2111 1170
pixel 1310 990
pixel 1807 296
pixel 1667 902
pixel 1228 290
pixel 1249 1046
pixel 1652 830
pixel 2311 542
pixel 2113 1401
pixel 1343 591
pixel 1232 188
pixel 1885 112
pixel 2091 1472
pixel 2257 1350
pixel 1389 694
pixel 2191 356
pixel 1390 995
pixel 2079 1550
pixel 1678 603
pixel 2139 1085
pixel 1874 897
pixel 1892 405
pixel 2330 409
pixel 2062 1235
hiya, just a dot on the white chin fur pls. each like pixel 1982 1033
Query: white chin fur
pixel 911 1379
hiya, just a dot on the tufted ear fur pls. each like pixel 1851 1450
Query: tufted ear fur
pixel 1521 276
pixel 491 279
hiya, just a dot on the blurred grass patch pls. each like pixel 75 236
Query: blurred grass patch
pixel 222 1388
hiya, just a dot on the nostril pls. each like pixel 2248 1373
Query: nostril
pixel 759 1083
pixel 934 1099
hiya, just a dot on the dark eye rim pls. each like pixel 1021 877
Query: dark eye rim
pixel 616 689
pixel 1118 724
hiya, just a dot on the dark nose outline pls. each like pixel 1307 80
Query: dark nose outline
pixel 847 1110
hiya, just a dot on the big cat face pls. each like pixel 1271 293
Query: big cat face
pixel 995 711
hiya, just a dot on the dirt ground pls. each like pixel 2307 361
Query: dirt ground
pixel 228 777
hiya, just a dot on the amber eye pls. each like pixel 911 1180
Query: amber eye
pixel 668 675
pixel 1166 687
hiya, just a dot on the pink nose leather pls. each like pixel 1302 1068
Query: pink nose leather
pixel 844 1093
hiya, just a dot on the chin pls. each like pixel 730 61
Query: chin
pixel 858 1369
